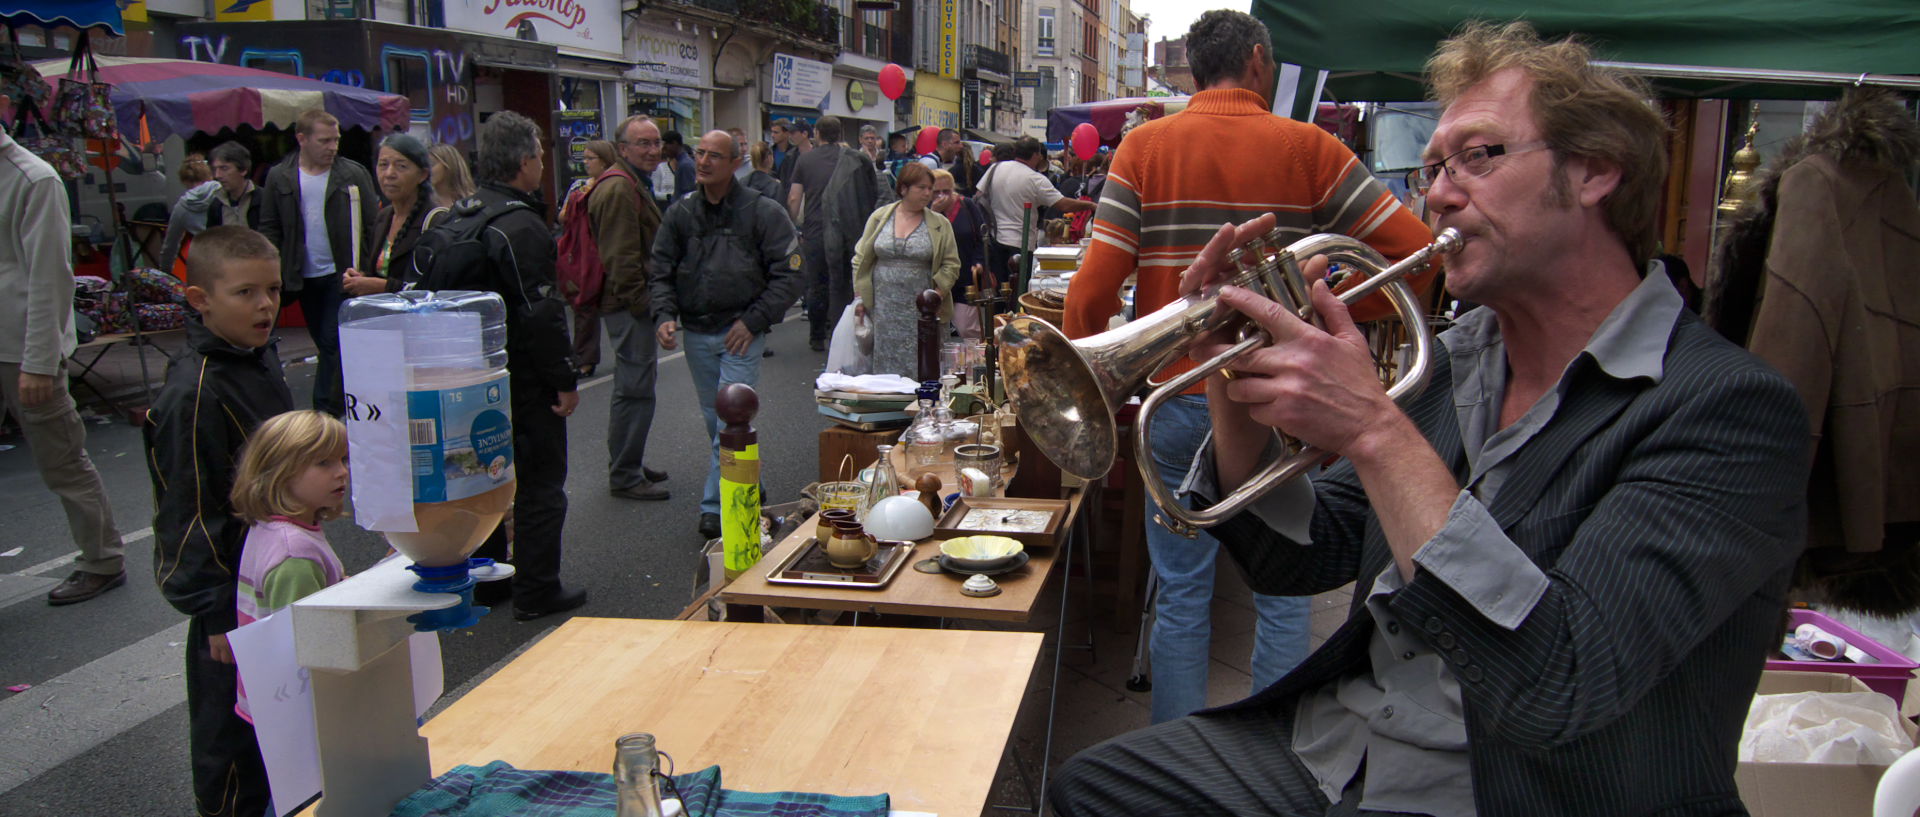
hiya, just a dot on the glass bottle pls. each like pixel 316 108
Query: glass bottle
pixel 881 482
pixel 925 439
pixel 636 764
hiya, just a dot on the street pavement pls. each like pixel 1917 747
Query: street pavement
pixel 102 730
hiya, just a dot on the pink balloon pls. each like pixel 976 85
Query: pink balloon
pixel 893 81
pixel 927 141
pixel 1086 140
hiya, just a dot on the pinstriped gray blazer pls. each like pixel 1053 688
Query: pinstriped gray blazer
pixel 1667 517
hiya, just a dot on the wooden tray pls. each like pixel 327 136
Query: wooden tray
pixel 1045 534
pixel 809 565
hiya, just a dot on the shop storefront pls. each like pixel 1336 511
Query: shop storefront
pixel 670 78
pixel 856 97
pixel 936 101
pixel 567 92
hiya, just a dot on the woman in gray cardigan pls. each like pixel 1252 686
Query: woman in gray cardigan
pixel 907 248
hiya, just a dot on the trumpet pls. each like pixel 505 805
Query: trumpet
pixel 1068 392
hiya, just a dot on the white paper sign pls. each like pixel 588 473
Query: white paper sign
pixel 375 378
pixel 800 82
pixel 280 698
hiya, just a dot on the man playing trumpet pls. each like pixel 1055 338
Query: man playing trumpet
pixel 1570 552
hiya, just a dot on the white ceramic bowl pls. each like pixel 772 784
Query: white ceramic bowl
pixel 900 518
pixel 983 552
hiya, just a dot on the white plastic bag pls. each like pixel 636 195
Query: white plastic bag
pixel 1824 727
pixel 845 353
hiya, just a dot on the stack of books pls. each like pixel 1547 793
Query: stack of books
pixel 864 411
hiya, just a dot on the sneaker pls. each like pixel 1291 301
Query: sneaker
pixel 651 475
pixel 644 490
pixel 766 352
pixel 710 525
pixel 817 345
pixel 81 585
pixel 561 602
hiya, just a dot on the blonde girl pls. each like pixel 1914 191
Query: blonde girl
pixel 292 477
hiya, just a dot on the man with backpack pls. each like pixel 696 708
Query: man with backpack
pixel 624 219
pixel 497 241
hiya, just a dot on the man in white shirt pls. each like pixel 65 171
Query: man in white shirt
pixel 36 336
pixel 317 203
pixel 1007 188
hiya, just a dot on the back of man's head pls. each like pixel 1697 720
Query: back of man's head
pixel 1027 147
pixel 1581 110
pixel 1220 45
pixel 506 141
pixel 829 129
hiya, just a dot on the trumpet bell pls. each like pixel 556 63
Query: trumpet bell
pixel 1058 396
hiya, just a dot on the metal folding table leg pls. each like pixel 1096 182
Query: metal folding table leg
pixel 1140 680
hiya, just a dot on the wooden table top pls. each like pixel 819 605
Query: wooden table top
pixel 911 592
pixel 922 715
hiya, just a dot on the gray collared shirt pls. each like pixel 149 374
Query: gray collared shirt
pixel 1405 717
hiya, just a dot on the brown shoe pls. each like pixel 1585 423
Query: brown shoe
pixel 82 585
pixel 644 490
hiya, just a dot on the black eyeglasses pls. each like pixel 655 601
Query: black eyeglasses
pixel 1474 161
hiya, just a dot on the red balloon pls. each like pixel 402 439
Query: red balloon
pixel 893 81
pixel 986 156
pixel 927 141
pixel 1086 140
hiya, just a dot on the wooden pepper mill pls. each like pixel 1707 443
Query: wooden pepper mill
pixel 736 404
pixel 929 485
pixel 929 338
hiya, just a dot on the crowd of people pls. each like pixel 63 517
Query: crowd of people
pixel 664 245
pixel 1588 456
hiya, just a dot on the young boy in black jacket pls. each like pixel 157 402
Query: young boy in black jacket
pixel 217 392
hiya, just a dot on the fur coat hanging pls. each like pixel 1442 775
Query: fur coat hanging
pixel 1821 277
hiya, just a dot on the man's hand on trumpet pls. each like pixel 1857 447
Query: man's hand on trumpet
pixel 1319 385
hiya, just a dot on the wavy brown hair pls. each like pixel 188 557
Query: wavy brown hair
pixel 1583 110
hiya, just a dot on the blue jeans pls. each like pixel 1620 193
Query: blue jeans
pixel 712 367
pixel 1182 626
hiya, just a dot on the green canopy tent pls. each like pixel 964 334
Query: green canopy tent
pixel 1785 49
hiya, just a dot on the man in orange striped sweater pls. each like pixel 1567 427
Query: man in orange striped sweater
pixel 1172 183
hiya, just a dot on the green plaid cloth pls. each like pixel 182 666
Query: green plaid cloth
pixel 498 790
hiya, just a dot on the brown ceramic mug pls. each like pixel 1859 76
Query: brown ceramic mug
pixel 823 528
pixel 851 546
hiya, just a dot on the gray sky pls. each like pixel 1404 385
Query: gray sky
pixel 1171 18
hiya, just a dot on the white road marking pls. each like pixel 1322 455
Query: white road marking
pixel 61 718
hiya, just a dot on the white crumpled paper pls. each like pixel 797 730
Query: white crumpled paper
pixel 1824 727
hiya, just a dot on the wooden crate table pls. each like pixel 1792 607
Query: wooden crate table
pixel 922 715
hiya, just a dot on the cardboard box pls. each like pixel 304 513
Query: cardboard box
pixel 1802 789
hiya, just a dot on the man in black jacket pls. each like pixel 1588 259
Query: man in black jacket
pixel 521 271
pixel 726 264
pixel 317 203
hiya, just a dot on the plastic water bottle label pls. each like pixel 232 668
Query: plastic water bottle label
pixel 461 440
